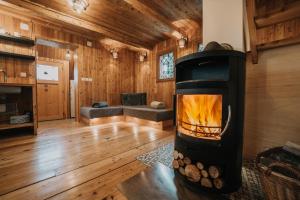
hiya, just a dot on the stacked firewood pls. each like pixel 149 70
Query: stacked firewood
pixel 207 176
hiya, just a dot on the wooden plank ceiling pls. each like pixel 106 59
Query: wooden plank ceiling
pixel 140 23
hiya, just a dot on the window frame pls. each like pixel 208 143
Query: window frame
pixel 159 54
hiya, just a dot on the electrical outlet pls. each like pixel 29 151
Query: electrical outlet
pixel 23 74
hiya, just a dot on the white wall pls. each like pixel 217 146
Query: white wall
pixel 223 22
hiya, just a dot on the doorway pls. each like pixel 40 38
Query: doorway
pixel 57 80
pixel 52 89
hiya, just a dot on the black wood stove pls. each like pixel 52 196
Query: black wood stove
pixel 209 108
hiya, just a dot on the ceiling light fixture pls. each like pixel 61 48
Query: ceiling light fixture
pixel 142 56
pixel 79 5
pixel 114 53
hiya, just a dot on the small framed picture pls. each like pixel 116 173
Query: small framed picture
pixel 166 66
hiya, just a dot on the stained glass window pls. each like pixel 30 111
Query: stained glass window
pixel 166 66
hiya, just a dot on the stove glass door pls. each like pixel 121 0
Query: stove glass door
pixel 199 115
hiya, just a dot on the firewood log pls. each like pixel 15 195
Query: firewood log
pixel 180 155
pixel 175 164
pixel 180 162
pixel 175 154
pixel 204 173
pixel 187 160
pixel 182 171
pixel 214 171
pixel 200 165
pixel 218 183
pixel 206 182
pixel 192 173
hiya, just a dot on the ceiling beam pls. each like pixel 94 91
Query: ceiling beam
pixel 145 10
pixel 55 15
pixel 250 5
pixel 289 12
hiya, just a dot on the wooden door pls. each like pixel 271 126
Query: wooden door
pixel 51 90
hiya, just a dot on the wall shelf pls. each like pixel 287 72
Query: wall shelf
pixel 16 55
pixel 21 40
pixel 13 126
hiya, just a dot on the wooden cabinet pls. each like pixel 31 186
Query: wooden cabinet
pixel 18 102
pixel 17 85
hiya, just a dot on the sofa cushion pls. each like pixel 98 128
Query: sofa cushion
pixel 91 113
pixel 100 104
pixel 133 99
pixel 148 113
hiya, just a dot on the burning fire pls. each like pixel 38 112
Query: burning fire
pixel 200 115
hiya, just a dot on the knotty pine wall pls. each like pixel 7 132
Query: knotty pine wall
pixel 13 67
pixel 145 72
pixel 109 77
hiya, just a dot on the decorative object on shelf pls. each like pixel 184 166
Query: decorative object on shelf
pixel 182 42
pixel 79 5
pixel 142 56
pixel 20 119
pixel 114 53
pixel 166 64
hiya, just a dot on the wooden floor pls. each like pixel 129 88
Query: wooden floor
pixel 68 160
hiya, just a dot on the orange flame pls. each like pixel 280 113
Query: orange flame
pixel 200 115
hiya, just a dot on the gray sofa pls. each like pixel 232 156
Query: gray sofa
pixel 91 113
pixel 133 105
pixel 148 113
pixel 141 112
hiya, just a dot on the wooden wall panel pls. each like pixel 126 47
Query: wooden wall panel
pixel 146 71
pixel 281 31
pixel 109 77
pixel 272 100
pixel 13 67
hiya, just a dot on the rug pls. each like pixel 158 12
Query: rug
pixel 251 188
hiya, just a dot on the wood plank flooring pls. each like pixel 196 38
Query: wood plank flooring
pixel 68 160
